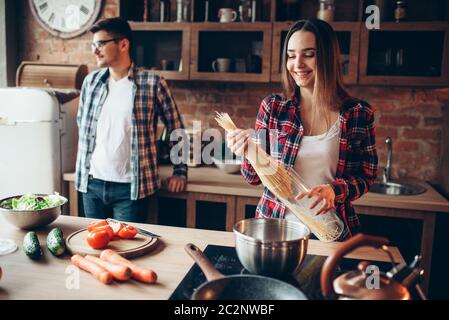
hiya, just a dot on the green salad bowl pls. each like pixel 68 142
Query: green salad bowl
pixel 30 219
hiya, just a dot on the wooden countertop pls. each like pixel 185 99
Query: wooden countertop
pixel 209 179
pixel 24 278
pixel 213 180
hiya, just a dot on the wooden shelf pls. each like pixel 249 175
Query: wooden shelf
pixel 416 10
pixel 183 45
pixel 345 10
pixel 263 9
pixel 155 26
pixel 349 23
pixel 232 26
pixel 354 28
pixel 412 26
pixel 261 29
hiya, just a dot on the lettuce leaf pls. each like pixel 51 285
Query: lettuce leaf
pixel 33 202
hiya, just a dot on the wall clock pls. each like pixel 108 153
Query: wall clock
pixel 66 18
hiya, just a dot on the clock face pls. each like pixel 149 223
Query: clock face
pixel 65 18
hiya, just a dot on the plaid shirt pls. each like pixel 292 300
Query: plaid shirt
pixel 357 164
pixel 152 98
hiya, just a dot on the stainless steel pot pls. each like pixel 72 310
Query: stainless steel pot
pixel 271 247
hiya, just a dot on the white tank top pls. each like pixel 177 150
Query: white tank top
pixel 317 159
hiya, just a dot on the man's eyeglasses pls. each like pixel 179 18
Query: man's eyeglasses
pixel 101 43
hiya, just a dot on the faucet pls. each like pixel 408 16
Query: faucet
pixel 387 169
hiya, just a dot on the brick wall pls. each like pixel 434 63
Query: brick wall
pixel 412 117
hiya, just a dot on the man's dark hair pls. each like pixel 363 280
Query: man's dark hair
pixel 117 27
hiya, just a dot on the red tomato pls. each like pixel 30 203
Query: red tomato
pixel 127 232
pixel 116 227
pixel 96 224
pixel 107 228
pixel 98 239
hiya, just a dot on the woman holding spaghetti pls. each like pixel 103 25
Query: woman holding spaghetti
pixel 316 128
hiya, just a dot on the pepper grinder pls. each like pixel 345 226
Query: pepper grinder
pixel 400 13
pixel 145 11
pixel 179 9
pixel 326 10
pixel 253 11
pixel 164 13
pixel 206 11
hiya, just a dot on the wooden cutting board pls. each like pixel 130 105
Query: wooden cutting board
pixel 129 248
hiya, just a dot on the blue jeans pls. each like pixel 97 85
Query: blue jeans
pixel 105 199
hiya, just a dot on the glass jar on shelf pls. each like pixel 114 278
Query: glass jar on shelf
pixel 400 13
pixel 164 11
pixel 326 10
pixel 145 11
pixel 182 10
pixel 206 10
pixel 245 10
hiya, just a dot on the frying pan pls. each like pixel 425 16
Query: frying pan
pixel 238 287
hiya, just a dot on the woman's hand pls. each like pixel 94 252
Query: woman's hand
pixel 237 141
pixel 324 192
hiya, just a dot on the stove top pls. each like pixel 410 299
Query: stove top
pixel 225 260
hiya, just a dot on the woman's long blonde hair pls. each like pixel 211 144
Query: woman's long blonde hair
pixel 329 90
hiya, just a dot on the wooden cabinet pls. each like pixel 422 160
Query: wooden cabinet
pixel 245 46
pixel 209 12
pixel 411 52
pixel 406 53
pixel 292 10
pixel 162 47
pixel 415 10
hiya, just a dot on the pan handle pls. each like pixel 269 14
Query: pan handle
pixel 205 265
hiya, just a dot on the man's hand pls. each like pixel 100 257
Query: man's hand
pixel 176 184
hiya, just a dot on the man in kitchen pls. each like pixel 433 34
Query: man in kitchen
pixel 116 168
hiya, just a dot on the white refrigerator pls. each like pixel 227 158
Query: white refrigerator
pixel 38 141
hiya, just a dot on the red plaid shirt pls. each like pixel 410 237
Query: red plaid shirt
pixel 357 165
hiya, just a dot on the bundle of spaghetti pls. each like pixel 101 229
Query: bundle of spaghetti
pixel 270 172
pixel 327 226
pixel 286 184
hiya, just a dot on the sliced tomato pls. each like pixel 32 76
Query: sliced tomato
pixel 116 227
pixel 96 224
pixel 98 239
pixel 127 232
pixel 107 228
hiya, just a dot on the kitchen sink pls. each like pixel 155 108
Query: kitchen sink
pixel 397 188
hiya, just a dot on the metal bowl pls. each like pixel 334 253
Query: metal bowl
pixel 271 247
pixel 230 166
pixel 30 219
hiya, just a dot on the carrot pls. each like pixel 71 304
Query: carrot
pixel 117 271
pixel 138 273
pixel 98 272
